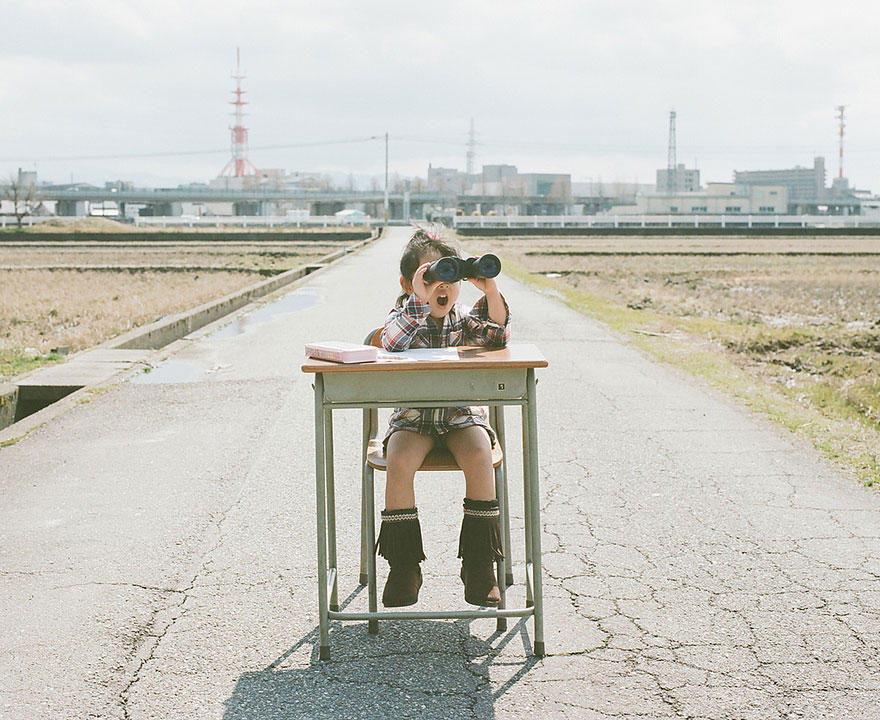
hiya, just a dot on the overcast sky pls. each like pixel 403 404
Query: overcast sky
pixel 581 87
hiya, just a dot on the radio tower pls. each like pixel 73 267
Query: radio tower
pixel 239 165
pixel 671 169
pixel 471 149
pixel 840 110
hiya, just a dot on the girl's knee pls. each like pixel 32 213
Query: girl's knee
pixel 472 448
pixel 401 462
pixel 405 452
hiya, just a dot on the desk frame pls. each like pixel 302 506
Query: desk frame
pixel 430 385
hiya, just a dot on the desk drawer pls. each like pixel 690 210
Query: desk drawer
pixel 408 387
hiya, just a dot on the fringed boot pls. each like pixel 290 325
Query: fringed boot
pixel 400 543
pixel 479 547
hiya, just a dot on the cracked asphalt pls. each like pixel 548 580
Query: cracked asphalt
pixel 158 556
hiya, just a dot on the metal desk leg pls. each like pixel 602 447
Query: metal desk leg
pixel 367 430
pixel 527 506
pixel 498 424
pixel 321 518
pixel 534 493
pixel 330 483
pixel 370 534
pixel 501 624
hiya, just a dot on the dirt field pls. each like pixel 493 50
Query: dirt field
pixel 93 225
pixel 268 258
pixel 77 295
pixel 800 316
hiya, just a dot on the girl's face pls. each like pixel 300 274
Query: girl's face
pixel 441 295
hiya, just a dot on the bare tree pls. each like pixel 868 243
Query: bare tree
pixel 21 191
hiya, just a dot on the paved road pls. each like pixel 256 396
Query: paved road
pixel 157 545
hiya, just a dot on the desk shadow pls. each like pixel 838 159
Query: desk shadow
pixel 411 669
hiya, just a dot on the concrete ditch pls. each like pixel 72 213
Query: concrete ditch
pixel 8 404
pixel 33 398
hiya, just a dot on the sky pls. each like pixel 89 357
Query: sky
pixel 96 90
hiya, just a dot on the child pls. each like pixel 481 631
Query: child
pixel 427 316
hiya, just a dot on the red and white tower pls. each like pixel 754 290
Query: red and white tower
pixel 840 110
pixel 239 165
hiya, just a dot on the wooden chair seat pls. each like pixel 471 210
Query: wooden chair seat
pixel 437 459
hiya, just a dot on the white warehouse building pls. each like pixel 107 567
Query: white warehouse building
pixel 716 199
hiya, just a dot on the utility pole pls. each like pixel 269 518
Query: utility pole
pixel 671 169
pixel 386 178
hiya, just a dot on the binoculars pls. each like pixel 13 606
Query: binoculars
pixel 452 269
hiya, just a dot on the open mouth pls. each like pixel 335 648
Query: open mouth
pixel 442 300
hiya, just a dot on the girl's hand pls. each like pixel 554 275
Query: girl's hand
pixel 494 302
pixel 422 291
pixel 487 286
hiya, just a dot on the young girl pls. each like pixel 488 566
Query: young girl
pixel 427 316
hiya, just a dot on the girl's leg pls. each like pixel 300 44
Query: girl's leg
pixel 472 450
pixel 479 544
pixel 400 536
pixel 405 453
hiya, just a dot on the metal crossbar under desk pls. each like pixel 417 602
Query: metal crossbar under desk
pixel 444 377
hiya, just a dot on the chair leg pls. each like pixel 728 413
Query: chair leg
pixel 505 529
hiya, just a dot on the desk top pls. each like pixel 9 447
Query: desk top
pixel 453 358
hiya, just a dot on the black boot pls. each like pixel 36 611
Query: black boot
pixel 400 543
pixel 479 547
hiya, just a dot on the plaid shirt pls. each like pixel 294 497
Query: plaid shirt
pixel 409 327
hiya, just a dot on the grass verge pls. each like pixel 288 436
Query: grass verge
pixel 820 416
pixel 15 361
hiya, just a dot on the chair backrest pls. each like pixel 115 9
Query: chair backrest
pixel 374 338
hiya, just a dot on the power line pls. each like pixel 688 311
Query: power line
pixel 597 146
pixel 181 153
pixel 586 146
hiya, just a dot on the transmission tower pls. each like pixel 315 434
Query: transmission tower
pixel 239 165
pixel 840 111
pixel 471 149
pixel 671 169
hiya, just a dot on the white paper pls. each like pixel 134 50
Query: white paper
pixel 420 354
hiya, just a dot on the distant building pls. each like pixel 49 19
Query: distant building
pixel 806 186
pixel 716 199
pixel 555 185
pixel 680 179
pixel 445 180
pixel 118 185
pixel 870 205
pixel 27 178
pixel 499 173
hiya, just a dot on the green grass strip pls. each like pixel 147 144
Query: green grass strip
pixel 829 425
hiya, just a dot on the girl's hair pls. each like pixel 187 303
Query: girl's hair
pixel 423 242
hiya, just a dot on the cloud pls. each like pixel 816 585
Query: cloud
pixel 754 83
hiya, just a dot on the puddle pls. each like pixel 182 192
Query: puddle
pixel 188 371
pixel 171 371
pixel 293 302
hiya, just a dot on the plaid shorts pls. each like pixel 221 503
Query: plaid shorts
pixel 438 421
